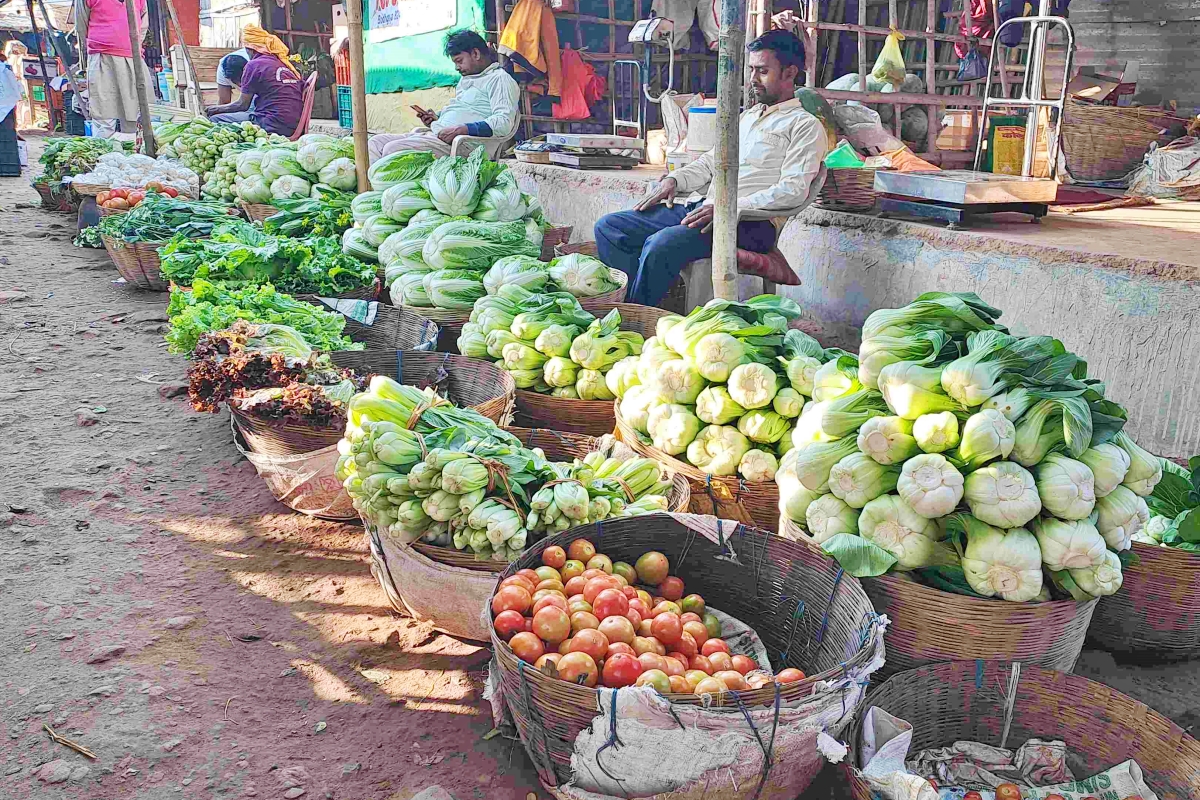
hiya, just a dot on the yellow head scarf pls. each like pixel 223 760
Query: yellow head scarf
pixel 258 40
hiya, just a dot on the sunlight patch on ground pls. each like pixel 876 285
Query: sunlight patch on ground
pixel 326 685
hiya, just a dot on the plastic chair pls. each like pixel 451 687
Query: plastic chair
pixel 494 146
pixel 310 93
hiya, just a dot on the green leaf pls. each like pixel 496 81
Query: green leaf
pixel 859 557
pixel 949 579
pixel 1188 526
pixel 1128 559
pixel 1170 497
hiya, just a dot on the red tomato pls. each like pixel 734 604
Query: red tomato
pixel 666 628
pixel 540 593
pixel 690 616
pixel 1060 797
pixel 517 580
pixel 564 646
pixel 117 202
pixel 136 196
pixel 578 668
pixel 597 585
pixel 170 191
pixel 1008 791
pixel 571 569
pixel 676 664
pixel 744 664
pixel 553 584
pixel 550 600
pixel 554 556
pixel 714 646
pixel 701 663
pixel 588 574
pixel 713 624
pixel 680 685
pixel 527 647
pixel 643 644
pixel 655 678
pixel 581 550
pixel 646 599
pixel 600 562
pixel 697 631
pixel 643 628
pixel 577 603
pixel 582 621
pixel 666 607
pixel 609 603
pixel 618 629
pixel 548 658
pixel 592 642
pixel 693 603
pixel 629 592
pixel 653 661
pixel 711 686
pixel 652 568
pixel 671 588
pixel 552 624
pixel 528 624
pixel 508 623
pixel 545 573
pixel 154 186
pixel 721 662
pixel 687 645
pixel 511 598
pixel 121 193
pixel 634 617
pixel 574 586
pixel 621 670
pixel 619 647
pixel 972 796
pixel 626 571
pixel 103 196
pixel 733 679
pixel 693 677
pixel 636 604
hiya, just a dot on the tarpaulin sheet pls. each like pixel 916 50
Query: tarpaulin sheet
pixel 415 61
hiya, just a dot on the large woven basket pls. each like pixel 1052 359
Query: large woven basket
pixel 393 329
pixel 466 382
pixel 847 189
pixel 591 417
pixel 257 212
pixel 88 189
pixel 1102 143
pixel 807 612
pixel 928 625
pixel 970 700
pixel 554 236
pixel 278 438
pixel 138 263
pixel 50 200
pixel 733 497
pixel 601 300
pixel 111 212
pixel 365 293
pixel 1157 610
pixel 557 447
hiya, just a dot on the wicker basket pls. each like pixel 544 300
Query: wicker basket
pixel 276 438
pixel 554 236
pixel 466 382
pixel 600 301
pixel 807 612
pixel 847 189
pixel 393 329
pixel 49 198
pixel 557 447
pixel 929 626
pixel 969 700
pixel 1102 143
pixel 726 497
pixel 1157 610
pixel 138 263
pixel 257 212
pixel 110 212
pixel 366 293
pixel 591 417
pixel 88 189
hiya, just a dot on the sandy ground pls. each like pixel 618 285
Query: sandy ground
pixel 163 611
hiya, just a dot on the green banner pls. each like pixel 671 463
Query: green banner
pixel 404 39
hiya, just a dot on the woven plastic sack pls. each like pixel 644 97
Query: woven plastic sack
pixel 303 483
pixel 889 66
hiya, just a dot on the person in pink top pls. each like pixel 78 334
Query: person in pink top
pixel 103 28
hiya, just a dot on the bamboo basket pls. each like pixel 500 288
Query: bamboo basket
pixel 928 625
pixel 137 263
pixel 730 497
pixel 591 417
pixel 554 236
pixel 110 212
pixel 257 212
pixel 808 613
pixel 466 382
pixel 87 189
pixel 601 300
pixel 49 198
pixel 970 700
pixel 1157 610
pixel 393 329
pixel 279 438
pixel 557 447
pixel 848 189
pixel 365 293
pixel 1103 143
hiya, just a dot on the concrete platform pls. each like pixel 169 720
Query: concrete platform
pixel 1118 287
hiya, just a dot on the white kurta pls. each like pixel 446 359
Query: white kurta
pixel 112 89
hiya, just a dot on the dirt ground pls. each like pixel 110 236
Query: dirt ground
pixel 163 611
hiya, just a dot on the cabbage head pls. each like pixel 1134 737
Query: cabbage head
pixel 249 163
pixel 827 516
pixel 288 187
pixel 502 201
pixel 1002 494
pixel 591 386
pixel 378 228
pixel 525 271
pixel 353 244
pixel 1145 471
pixel 1109 465
pixel 636 406
pixel 1066 486
pixel 401 166
pixel 340 174
pixel 410 242
pixel 314 155
pixel 582 275
pixel 366 205
pixel 758 466
pixel 673 428
pixel 469 244
pixel 718 450
pixel 456 184
pixel 930 485
pixel 1100 580
pixel 890 523
pixel 788 403
pixel 857 479
pixel 716 354
pixel 936 433
pixel 402 201
pixel 1073 544
pixel 676 382
pixel 815 461
pixel 753 385
pixel 623 376
pixel 254 189
pixel 279 162
pixel 1004 564
pixel 1121 514
pixel 794 498
pixel 763 427
pixel 888 440
pixel 716 407
pixel 987 436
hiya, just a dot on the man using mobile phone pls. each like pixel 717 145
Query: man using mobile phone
pixel 484 104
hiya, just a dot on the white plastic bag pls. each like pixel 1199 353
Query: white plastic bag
pixel 303 483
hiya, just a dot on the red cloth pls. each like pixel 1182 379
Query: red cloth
pixel 980 27
pixel 576 75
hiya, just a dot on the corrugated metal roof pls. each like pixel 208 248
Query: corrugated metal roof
pixel 1163 36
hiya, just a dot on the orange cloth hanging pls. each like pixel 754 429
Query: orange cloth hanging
pixel 576 72
pixel 530 41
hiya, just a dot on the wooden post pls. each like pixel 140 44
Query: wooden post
pixel 358 92
pixel 811 35
pixel 931 15
pixel 45 75
pixel 139 78
pixel 727 156
pixel 862 46
pixel 193 79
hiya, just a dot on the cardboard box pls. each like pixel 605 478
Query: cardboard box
pixel 958 131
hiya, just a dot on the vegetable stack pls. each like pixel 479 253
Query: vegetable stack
pixel 986 463
pixel 68 156
pixel 713 388
pixel 199 143
pixel 311 166
pixel 422 469
pixel 548 342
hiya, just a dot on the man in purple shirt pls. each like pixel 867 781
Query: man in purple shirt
pixel 272 86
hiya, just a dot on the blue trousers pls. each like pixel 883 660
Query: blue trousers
pixel 652 248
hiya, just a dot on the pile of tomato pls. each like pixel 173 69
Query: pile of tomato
pixel 582 618
pixel 125 199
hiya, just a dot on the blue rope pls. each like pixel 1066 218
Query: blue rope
pixel 829 605
pixel 614 741
pixel 400 365
pixel 770 746
pixel 797 615
pixel 535 718
pixel 978 674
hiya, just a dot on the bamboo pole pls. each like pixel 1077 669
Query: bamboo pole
pixel 931 15
pixel 731 49
pixel 139 78
pixel 862 45
pixel 193 78
pixel 358 92
pixel 811 35
pixel 58 48
pixel 45 75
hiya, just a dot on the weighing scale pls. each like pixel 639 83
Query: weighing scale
pixel 652 32
pixel 596 151
pixel 955 196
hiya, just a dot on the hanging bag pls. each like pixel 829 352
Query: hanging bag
pixel 972 66
pixel 889 67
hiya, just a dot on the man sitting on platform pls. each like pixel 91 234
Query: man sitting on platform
pixel 782 150
pixel 484 104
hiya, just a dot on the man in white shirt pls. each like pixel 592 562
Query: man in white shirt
pixel 229 73
pixel 782 150
pixel 484 104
